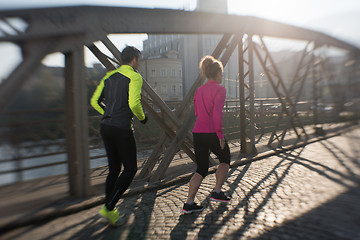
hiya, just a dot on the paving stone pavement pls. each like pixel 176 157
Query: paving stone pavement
pixel 308 193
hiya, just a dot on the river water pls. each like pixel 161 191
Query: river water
pixel 7 152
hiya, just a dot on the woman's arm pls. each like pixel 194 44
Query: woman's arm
pixel 219 103
pixel 195 107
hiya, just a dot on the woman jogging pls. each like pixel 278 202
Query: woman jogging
pixel 208 133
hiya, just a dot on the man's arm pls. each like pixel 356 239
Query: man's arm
pixel 97 98
pixel 135 97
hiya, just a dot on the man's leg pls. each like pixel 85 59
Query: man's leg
pixel 128 151
pixel 110 138
pixel 114 161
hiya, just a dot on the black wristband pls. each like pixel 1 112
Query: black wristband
pixel 145 120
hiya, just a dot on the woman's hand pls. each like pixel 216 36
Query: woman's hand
pixel 222 143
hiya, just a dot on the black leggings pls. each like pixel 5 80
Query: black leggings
pixel 203 144
pixel 120 148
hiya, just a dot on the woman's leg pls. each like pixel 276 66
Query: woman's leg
pixel 194 187
pixel 220 175
pixel 202 162
pixel 224 158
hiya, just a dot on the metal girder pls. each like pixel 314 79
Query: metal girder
pixel 247 147
pixel 174 145
pixel 247 47
pixel 169 132
pixel 251 93
pixel 33 52
pixel 284 97
pixel 96 21
pixel 112 48
pixel 200 80
pixel 36 51
pixel 299 81
pixel 301 65
pixel 102 57
pixel 77 127
pixel 315 96
pixel 242 77
pixel 325 78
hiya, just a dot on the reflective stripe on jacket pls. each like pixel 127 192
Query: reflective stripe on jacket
pixel 118 97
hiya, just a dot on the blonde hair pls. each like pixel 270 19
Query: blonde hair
pixel 210 67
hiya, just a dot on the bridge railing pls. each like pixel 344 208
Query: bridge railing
pixel 32 142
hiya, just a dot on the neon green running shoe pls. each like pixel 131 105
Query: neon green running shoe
pixel 113 217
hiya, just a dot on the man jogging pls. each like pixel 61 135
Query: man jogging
pixel 118 98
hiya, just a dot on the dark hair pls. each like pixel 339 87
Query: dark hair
pixel 129 53
pixel 210 67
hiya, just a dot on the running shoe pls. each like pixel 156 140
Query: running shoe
pixel 113 216
pixel 219 197
pixel 189 208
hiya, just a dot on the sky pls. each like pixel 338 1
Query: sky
pixel 339 19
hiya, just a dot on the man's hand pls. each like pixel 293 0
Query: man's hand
pixel 145 120
pixel 222 143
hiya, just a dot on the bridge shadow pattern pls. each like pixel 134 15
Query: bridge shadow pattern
pixel 308 193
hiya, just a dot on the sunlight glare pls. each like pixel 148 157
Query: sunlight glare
pixel 285 11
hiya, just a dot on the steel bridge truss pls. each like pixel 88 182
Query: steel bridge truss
pixel 68 30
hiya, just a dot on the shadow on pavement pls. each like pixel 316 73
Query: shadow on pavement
pixel 251 215
pixel 186 222
pixel 138 216
pixel 217 212
pixel 209 229
pixel 340 222
pixel 336 219
pixel 340 155
pixel 139 211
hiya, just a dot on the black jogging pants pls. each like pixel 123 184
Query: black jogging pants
pixel 120 148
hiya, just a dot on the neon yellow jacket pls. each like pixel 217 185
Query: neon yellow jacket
pixel 118 97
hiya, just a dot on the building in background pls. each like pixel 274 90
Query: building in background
pixel 190 49
pixel 164 75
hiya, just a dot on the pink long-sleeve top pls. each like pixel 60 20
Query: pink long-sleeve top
pixel 209 101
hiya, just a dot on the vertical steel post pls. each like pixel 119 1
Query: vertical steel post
pixel 76 110
pixel 262 119
pixel 242 97
pixel 315 96
pixel 251 92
